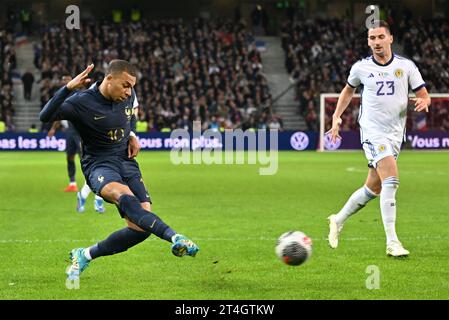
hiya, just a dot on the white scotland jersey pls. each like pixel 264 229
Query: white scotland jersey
pixel 384 95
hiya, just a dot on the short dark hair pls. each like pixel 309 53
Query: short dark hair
pixel 119 66
pixel 380 24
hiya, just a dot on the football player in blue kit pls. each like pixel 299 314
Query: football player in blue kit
pixel 103 116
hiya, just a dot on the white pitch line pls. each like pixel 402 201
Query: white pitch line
pixel 33 241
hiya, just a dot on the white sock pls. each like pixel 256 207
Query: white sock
pixel 87 253
pixel 355 202
pixel 173 237
pixel 98 197
pixel 85 191
pixel 388 207
pixel 72 183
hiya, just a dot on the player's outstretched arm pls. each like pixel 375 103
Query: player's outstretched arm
pixel 80 80
pixel 342 103
pixel 50 110
pixel 422 100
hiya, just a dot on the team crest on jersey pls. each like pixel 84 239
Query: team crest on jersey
pixel 398 73
pixel 128 112
pixel 101 179
pixel 381 148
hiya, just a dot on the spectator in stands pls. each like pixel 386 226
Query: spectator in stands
pixel 33 129
pixel 275 123
pixel 8 63
pixel 311 118
pixel 28 80
pixel 311 62
pixel 445 123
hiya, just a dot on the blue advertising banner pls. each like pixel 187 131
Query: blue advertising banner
pixel 238 140
pixel 425 140
pixel 286 140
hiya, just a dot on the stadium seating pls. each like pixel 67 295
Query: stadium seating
pixel 205 70
pixel 320 52
pixel 7 63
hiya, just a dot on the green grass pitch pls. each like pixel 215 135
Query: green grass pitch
pixel 235 215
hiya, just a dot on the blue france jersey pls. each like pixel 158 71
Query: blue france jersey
pixel 104 125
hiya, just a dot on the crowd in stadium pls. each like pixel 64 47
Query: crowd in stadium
pixel 320 52
pixel 425 42
pixel 209 71
pixel 318 55
pixel 8 64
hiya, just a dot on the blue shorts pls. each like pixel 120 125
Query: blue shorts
pixel 73 144
pixel 116 169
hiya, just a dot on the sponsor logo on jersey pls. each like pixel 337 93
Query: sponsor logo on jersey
pixel 371 75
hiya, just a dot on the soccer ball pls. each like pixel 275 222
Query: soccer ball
pixel 294 248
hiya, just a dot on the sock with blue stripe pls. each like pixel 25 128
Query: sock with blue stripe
pixel 355 202
pixel 388 207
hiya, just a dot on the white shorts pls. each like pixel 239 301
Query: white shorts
pixel 378 148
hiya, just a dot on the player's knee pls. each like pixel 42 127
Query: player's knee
pixel 374 188
pixel 128 201
pixel 377 189
pixel 390 182
pixel 133 226
pixel 114 191
pixel 146 206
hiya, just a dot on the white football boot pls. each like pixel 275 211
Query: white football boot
pixel 395 249
pixel 334 231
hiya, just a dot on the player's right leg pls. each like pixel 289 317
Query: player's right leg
pixel 356 201
pixel 71 151
pixel 388 172
pixel 71 169
pixel 81 197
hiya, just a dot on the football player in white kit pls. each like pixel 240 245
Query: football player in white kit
pixel 385 79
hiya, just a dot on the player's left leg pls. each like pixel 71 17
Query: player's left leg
pixel 388 172
pixel 181 244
